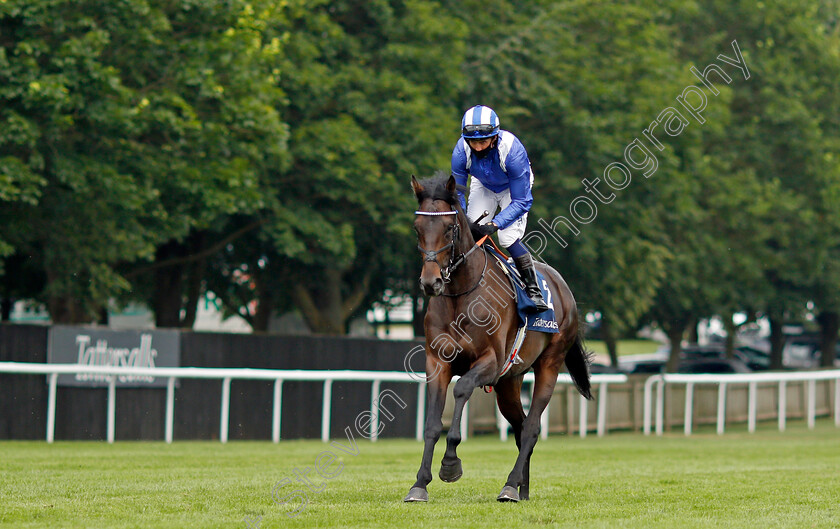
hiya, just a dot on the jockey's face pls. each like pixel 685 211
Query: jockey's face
pixel 482 144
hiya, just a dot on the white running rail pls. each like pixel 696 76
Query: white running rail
pixel 226 375
pixel 723 381
pixel 602 381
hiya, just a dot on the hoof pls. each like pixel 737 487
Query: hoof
pixel 523 492
pixel 451 473
pixel 508 494
pixel 417 494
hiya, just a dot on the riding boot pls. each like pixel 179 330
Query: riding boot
pixel 529 276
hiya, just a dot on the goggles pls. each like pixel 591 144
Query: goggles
pixel 481 129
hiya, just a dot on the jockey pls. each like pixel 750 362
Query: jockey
pixel 501 177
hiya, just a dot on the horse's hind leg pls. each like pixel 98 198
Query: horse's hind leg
pixel 508 397
pixel 545 379
pixel 436 397
pixel 483 372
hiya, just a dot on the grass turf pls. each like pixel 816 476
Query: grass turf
pixel 767 480
pixel 624 347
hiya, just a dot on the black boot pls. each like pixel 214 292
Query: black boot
pixel 526 270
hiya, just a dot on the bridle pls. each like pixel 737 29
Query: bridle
pixel 431 255
pixel 454 262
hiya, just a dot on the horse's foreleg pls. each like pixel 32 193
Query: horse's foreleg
pixel 482 372
pixel 509 399
pixel 518 477
pixel 436 398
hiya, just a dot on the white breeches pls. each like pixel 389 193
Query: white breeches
pixel 482 199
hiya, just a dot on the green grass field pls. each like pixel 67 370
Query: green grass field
pixel 763 480
pixel 625 347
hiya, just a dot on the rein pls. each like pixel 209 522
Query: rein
pixel 454 262
pixel 480 278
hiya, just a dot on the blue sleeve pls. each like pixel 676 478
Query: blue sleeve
pixel 459 171
pixel 519 171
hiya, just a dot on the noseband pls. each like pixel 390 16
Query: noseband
pixel 431 255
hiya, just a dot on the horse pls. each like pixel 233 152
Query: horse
pixel 470 326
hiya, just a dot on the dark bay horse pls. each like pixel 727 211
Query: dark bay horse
pixel 470 324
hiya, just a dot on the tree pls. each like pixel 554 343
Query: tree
pixel 579 82
pixel 369 87
pixel 138 123
pixel 783 131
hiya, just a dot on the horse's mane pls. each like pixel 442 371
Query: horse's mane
pixel 435 188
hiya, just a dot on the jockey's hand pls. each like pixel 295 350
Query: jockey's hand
pixel 488 229
pixel 475 229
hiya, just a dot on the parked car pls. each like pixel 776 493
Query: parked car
pixel 694 351
pixel 713 365
pixel 597 368
pixel 755 358
pixel 804 350
pixel 745 357
pixel 694 366
pixel 648 367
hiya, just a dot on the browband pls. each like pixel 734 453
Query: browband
pixel 435 213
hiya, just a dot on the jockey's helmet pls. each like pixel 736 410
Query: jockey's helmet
pixel 479 122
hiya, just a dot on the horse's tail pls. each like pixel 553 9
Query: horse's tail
pixel 577 362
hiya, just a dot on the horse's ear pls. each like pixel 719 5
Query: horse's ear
pixel 415 185
pixel 451 185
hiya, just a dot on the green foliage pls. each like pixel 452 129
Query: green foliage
pixel 273 143
pixel 778 151
pixel 367 86
pixel 578 84
pixel 128 129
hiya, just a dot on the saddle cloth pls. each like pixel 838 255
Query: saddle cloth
pixel 540 321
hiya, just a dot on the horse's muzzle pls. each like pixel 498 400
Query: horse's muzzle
pixel 433 287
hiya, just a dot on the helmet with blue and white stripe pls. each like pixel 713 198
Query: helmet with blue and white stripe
pixel 479 122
